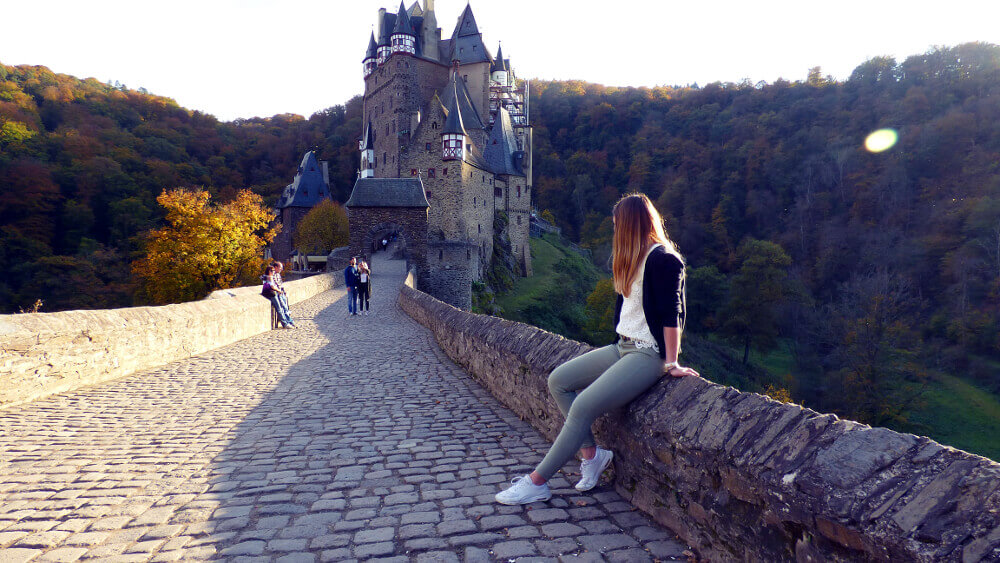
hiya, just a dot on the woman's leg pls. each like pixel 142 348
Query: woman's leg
pixel 628 378
pixel 578 373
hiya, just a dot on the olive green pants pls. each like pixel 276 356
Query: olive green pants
pixel 590 385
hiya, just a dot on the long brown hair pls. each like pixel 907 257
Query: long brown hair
pixel 637 226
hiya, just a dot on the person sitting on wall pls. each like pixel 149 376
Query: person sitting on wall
pixel 271 293
pixel 351 283
pixel 649 317
pixel 279 285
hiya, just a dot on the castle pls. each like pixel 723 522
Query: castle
pixel 446 150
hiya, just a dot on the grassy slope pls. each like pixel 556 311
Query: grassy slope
pixel 545 253
pixel 955 412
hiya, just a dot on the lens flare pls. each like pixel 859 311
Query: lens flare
pixel 881 140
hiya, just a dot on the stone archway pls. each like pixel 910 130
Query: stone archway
pixel 394 234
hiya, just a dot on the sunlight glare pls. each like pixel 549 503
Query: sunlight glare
pixel 881 140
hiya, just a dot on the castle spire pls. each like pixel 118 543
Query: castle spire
pixel 498 63
pixel 370 61
pixel 466 23
pixel 403 39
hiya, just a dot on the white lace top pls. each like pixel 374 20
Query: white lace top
pixel 632 322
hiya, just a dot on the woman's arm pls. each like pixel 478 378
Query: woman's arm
pixel 672 341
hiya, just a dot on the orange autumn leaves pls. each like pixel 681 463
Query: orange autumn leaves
pixel 204 246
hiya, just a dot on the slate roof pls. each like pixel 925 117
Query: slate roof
pixel 456 91
pixel 498 63
pixel 309 186
pixel 453 122
pixel 388 192
pixel 385 30
pixel 372 48
pixel 368 141
pixel 403 22
pixel 501 153
pixel 415 9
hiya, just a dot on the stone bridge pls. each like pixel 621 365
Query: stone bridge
pixel 348 438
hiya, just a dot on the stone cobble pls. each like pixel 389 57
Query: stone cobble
pixel 348 438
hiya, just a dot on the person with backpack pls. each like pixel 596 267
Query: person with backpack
pixel 270 291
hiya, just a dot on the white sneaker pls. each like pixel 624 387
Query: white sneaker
pixel 591 469
pixel 524 491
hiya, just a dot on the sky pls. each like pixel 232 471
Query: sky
pixel 246 58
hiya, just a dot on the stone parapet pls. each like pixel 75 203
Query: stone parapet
pixel 740 476
pixel 46 353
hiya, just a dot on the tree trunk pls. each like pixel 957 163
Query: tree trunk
pixel 746 349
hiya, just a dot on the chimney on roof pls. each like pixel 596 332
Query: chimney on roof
pixel 428 5
pixel 381 19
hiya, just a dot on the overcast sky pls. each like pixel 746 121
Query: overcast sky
pixel 244 58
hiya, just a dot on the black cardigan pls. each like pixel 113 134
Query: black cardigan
pixel 663 295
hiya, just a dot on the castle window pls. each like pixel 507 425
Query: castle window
pixel 407 64
pixel 474 203
pixel 434 125
pixel 430 173
pixel 518 219
pixel 484 178
pixel 480 228
pixel 465 77
pixel 428 194
pixel 468 254
pixel 385 157
pixel 413 171
pixel 386 128
pixel 444 171
pixel 497 192
pixel 428 146
pixel 440 255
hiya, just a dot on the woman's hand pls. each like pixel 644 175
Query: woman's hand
pixel 680 371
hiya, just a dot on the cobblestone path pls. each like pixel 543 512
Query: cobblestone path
pixel 349 438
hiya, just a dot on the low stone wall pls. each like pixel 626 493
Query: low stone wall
pixel 740 476
pixel 45 353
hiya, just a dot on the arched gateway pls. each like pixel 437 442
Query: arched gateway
pixel 384 206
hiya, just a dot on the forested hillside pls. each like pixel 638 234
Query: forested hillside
pixel 81 164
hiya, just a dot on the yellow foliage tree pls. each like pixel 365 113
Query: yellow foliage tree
pixel 322 229
pixel 204 247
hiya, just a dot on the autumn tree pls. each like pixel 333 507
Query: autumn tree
pixel 203 247
pixel 760 285
pixel 322 229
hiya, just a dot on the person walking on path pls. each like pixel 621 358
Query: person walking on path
pixel 364 287
pixel 649 318
pixel 270 291
pixel 280 288
pixel 351 283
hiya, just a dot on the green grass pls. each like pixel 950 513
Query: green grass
pixel 960 414
pixel 544 256
pixel 952 411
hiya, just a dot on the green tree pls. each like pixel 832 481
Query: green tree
pixel 874 347
pixel 322 229
pixel 600 312
pixel 760 285
pixel 707 289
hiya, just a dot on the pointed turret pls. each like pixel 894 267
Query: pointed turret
pixel 498 63
pixel 453 135
pixel 403 38
pixel 367 147
pixel 371 56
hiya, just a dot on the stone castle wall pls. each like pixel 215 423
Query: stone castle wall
pixel 46 353
pixel 451 268
pixel 740 476
pixel 282 246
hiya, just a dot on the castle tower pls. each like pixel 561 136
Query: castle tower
pixel 449 114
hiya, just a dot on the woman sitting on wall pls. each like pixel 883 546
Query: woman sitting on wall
pixel 649 317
